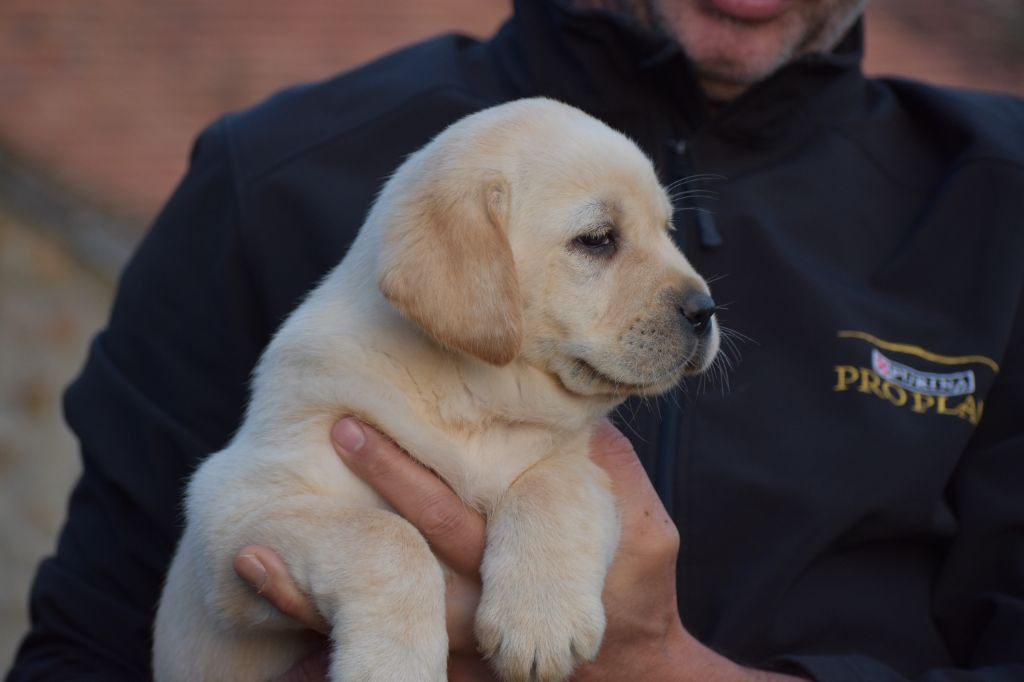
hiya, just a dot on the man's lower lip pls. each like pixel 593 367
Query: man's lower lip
pixel 748 10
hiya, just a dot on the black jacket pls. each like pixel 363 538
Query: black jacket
pixel 851 497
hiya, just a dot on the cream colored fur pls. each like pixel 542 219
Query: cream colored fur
pixel 469 323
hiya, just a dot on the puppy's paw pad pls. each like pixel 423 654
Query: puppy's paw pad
pixel 545 645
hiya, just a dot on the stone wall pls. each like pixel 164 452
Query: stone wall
pixel 50 306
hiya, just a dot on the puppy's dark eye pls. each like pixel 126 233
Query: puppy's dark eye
pixel 593 241
pixel 596 242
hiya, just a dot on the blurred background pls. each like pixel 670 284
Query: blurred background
pixel 99 103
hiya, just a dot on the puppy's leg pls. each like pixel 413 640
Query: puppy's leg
pixel 195 642
pixel 369 573
pixel 381 588
pixel 550 541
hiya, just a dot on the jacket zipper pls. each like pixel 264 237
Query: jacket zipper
pixel 703 220
pixel 668 454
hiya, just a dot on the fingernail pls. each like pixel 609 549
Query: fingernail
pixel 252 571
pixel 349 436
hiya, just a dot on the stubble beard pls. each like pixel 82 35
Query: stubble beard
pixel 726 71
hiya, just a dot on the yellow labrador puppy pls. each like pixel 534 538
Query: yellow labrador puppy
pixel 513 282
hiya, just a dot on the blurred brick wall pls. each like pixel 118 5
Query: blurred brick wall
pixel 975 44
pixel 50 305
pixel 106 96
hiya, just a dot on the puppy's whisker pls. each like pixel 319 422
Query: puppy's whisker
pixel 739 336
pixel 730 341
pixel 697 177
pixel 731 344
pixel 682 202
pixel 702 193
pixel 630 419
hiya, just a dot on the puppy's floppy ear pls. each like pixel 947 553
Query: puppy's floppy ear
pixel 446 264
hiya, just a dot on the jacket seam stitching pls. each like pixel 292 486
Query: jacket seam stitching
pixel 238 206
pixel 960 163
pixel 348 131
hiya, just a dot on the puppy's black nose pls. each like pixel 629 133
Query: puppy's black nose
pixel 697 307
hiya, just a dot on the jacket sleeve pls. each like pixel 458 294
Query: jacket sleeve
pixel 978 596
pixel 164 385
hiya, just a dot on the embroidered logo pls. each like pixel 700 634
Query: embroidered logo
pixel 902 385
pixel 928 383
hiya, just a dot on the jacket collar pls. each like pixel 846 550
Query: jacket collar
pixel 608 64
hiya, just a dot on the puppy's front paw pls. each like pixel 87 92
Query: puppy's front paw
pixel 539 632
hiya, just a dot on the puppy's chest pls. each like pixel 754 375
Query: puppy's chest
pixel 486 463
pixel 488 425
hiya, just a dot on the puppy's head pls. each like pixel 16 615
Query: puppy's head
pixel 534 231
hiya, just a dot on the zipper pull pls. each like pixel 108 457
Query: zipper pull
pixel 707 233
pixel 703 219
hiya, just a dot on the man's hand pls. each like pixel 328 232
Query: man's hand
pixel 455 532
pixel 644 634
pixel 645 638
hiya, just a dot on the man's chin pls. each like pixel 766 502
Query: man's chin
pixel 720 91
pixel 737 70
pixel 731 55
